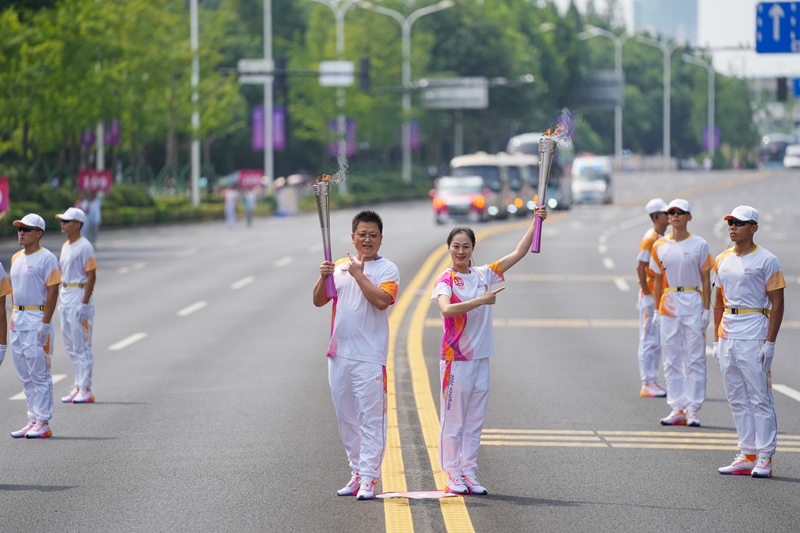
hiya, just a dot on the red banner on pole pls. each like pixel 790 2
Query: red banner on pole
pixel 251 179
pixel 94 180
pixel 4 203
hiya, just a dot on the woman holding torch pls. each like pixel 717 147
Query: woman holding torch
pixel 465 296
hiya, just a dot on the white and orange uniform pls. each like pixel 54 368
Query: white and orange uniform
pixel 357 355
pixel 76 260
pixel 681 317
pixel 467 345
pixel 744 282
pixel 30 276
pixel 649 339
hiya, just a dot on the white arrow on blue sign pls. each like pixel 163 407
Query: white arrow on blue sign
pixel 777 30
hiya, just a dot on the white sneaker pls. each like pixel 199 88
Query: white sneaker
pixel 652 390
pixel 763 467
pixel 84 396
pixel 18 434
pixel 456 486
pixel 741 466
pixel 367 489
pixel 352 486
pixel 675 418
pixel 692 419
pixel 69 397
pixel 40 431
pixel 473 486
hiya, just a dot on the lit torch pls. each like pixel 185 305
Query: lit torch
pixel 321 194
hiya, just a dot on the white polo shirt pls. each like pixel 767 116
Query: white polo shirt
pixel 30 277
pixel 76 260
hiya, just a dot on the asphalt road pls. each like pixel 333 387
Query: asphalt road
pixel 213 411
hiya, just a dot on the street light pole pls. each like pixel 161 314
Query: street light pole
pixel 269 164
pixel 405 26
pixel 618 42
pixel 195 150
pixel 711 126
pixel 666 49
pixel 339 8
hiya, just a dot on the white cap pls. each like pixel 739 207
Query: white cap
pixel 31 220
pixel 656 205
pixel 679 203
pixel 745 213
pixel 73 213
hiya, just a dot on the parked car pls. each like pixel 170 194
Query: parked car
pixel 591 180
pixel 460 198
pixel 791 158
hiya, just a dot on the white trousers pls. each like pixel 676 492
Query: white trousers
pixel 465 396
pixel 749 391
pixel 358 389
pixel 33 370
pixel 78 344
pixel 649 346
pixel 684 352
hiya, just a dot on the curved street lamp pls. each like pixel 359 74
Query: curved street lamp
pixel 708 66
pixel 405 25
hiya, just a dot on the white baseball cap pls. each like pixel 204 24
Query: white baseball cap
pixel 679 203
pixel 73 213
pixel 656 205
pixel 32 220
pixel 745 213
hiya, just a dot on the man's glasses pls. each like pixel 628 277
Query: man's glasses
pixel 676 212
pixel 24 229
pixel 738 223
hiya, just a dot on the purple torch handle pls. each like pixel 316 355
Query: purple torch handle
pixel 329 284
pixel 547 149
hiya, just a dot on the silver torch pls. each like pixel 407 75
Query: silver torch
pixel 322 190
pixel 547 150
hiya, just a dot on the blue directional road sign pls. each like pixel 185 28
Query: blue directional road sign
pixel 777 29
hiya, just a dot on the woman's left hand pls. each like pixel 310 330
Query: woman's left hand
pixel 541 212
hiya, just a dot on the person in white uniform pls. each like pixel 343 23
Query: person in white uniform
pixel 76 304
pixel 649 339
pixel 35 277
pixel 366 285
pixel 682 265
pixel 465 298
pixel 748 311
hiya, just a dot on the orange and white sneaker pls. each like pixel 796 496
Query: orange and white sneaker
pixel 456 486
pixel 84 396
pixel 763 467
pixel 742 465
pixel 69 397
pixel 675 418
pixel 652 390
pixel 352 486
pixel 40 431
pixel 473 486
pixel 18 434
pixel 367 489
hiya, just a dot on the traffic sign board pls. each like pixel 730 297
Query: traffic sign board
pixel 336 73
pixel 777 30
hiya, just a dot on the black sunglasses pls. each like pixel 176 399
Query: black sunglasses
pixel 24 229
pixel 677 212
pixel 738 223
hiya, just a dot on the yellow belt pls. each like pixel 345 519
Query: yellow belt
pixel 682 289
pixel 29 307
pixel 73 285
pixel 729 311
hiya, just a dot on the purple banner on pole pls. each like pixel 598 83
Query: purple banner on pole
pixel 87 137
pixel 349 137
pixel 257 128
pixel 111 132
pixel 705 138
pixel 415 141
pixel 278 128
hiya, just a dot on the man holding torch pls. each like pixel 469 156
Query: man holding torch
pixel 748 311
pixel 682 264
pixel 365 286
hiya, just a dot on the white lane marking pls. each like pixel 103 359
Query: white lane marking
pixel 127 341
pixel 282 261
pixel 622 284
pixel 247 280
pixel 192 308
pixel 186 253
pixel 603 238
pixel 608 263
pixel 132 268
pixel 788 391
pixel 56 379
pixel 602 248
pixel 316 248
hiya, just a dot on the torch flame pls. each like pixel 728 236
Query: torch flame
pixel 325 177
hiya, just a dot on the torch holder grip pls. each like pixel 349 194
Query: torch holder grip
pixel 547 150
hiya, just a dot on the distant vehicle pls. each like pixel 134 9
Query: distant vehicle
pixel 791 158
pixel 591 179
pixel 772 150
pixel 460 198
pixel 559 186
pixel 494 171
pixel 523 178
